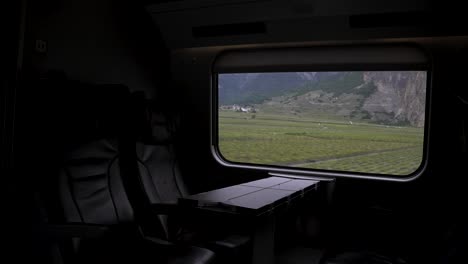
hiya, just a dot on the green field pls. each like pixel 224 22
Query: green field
pixel 319 143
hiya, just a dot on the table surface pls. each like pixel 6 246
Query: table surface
pixel 255 197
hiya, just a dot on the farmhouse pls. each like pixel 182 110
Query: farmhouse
pixel 238 108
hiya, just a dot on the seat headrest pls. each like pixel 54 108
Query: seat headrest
pixel 153 124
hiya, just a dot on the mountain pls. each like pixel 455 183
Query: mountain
pixel 255 88
pixel 382 97
pixel 400 96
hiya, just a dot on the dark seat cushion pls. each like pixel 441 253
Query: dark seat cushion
pixel 125 247
pixel 362 257
pixel 180 254
pixel 195 255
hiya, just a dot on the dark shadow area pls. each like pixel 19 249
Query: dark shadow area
pixel 106 137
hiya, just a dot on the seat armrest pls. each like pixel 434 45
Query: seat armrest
pixel 231 243
pixel 160 243
pixel 80 230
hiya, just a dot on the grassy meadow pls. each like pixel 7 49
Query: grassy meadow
pixel 319 143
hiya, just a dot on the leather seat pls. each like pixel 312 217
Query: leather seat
pixel 96 208
pixel 163 183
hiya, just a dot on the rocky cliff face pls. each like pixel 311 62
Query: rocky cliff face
pixel 400 96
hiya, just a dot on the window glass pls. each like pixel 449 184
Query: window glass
pixel 349 121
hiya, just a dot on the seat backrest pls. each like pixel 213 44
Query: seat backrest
pixel 90 182
pixel 157 160
pixel 90 185
pixel 157 164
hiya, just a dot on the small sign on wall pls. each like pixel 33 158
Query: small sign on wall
pixel 41 46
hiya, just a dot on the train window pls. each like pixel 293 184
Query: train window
pixel 368 121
